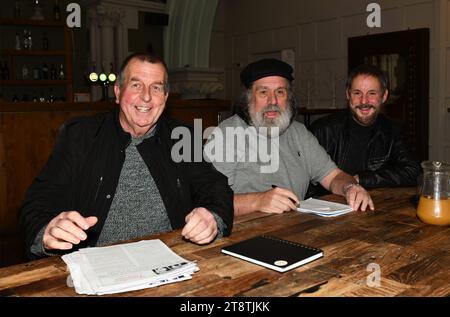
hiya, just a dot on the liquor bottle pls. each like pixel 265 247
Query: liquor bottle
pixel 45 42
pixel 53 72
pixel 42 97
pixel 45 71
pixel 61 74
pixel 35 98
pixel 51 96
pixel 25 71
pixel 29 40
pixel 18 45
pixel 36 73
pixel 56 12
pixel 25 40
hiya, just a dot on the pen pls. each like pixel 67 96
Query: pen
pixel 293 201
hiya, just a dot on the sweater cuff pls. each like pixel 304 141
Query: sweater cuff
pixel 37 248
pixel 221 226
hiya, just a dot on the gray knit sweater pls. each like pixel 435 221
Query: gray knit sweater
pixel 137 208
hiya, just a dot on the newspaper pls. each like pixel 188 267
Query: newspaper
pixel 323 208
pixel 126 267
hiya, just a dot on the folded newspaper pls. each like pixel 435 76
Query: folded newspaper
pixel 126 267
pixel 323 208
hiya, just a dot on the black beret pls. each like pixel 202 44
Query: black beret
pixel 264 68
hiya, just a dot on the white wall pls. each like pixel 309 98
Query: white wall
pixel 318 32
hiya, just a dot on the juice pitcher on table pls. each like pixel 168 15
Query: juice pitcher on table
pixel 434 203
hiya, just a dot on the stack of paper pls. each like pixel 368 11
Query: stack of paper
pixel 323 208
pixel 126 267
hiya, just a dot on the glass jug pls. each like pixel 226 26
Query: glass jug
pixel 434 202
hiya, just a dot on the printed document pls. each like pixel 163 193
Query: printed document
pixel 126 267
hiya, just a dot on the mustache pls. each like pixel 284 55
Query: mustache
pixel 365 106
pixel 271 108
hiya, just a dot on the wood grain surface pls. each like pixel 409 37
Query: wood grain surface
pixel 413 258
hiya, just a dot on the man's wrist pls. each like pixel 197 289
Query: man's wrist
pixel 37 248
pixel 349 186
pixel 221 226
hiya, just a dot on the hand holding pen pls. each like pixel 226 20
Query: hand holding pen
pixel 277 200
pixel 290 195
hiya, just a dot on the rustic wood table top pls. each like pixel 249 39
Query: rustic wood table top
pixel 413 258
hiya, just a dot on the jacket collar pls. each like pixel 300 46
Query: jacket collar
pixel 378 126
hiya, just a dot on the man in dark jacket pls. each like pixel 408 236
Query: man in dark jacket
pixel 111 177
pixel 363 141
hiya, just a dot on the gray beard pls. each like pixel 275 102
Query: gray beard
pixel 282 122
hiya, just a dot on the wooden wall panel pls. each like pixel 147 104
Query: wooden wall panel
pixel 27 137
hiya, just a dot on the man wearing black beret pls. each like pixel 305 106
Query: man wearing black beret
pixel 268 157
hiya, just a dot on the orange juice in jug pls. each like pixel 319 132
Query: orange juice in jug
pixel 434 203
pixel 434 211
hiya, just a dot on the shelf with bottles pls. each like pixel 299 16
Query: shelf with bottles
pixel 29 22
pixel 33 39
pixel 44 82
pixel 36 10
pixel 35 53
pixel 34 79
pixel 11 52
pixel 23 69
pixel 33 94
pixel 31 76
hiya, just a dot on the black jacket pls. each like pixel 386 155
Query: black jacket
pixel 390 161
pixel 83 170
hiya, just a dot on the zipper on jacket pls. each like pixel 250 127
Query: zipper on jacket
pixel 100 181
pixel 180 191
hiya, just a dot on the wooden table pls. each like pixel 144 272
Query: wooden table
pixel 414 258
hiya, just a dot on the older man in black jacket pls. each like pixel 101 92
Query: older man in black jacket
pixel 112 177
pixel 364 142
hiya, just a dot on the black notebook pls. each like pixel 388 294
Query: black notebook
pixel 274 253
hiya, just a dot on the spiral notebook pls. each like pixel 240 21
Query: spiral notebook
pixel 274 253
